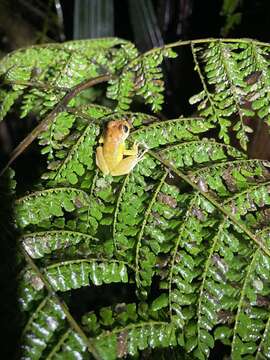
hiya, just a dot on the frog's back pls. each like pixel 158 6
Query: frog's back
pixel 113 153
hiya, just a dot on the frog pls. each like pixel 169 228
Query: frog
pixel 112 156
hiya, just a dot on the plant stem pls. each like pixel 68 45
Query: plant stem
pixel 203 41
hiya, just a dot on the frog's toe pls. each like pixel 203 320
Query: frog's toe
pixel 142 154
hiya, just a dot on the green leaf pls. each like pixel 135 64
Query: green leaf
pixel 45 242
pixel 42 205
pixel 236 73
pixel 131 339
pixel 46 321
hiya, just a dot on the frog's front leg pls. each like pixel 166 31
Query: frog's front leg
pixel 100 161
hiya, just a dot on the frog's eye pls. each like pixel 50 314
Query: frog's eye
pixel 125 128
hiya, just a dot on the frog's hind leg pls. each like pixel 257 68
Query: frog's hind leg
pixel 100 161
pixel 131 152
pixel 126 165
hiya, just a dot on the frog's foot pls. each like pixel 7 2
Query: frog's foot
pixel 135 147
pixel 142 154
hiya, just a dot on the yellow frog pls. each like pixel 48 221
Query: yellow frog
pixel 110 157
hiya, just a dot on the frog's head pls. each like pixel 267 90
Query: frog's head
pixel 118 130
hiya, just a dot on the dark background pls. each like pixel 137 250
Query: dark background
pixel 147 23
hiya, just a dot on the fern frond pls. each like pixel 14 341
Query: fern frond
pixel 254 65
pixel 177 236
pixel 42 243
pixel 75 274
pixel 188 154
pixel 253 305
pixel 70 345
pixel 141 76
pixel 129 340
pixel 78 157
pixel 229 177
pixel 235 85
pixel 19 64
pixel 41 75
pixel 127 218
pixel 170 131
pixel 229 256
pixel 90 111
pixel 42 205
pixel 222 71
pixel 47 320
pixel 7 100
pixel 233 73
pixel 186 230
pixel 71 274
pixel 144 263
